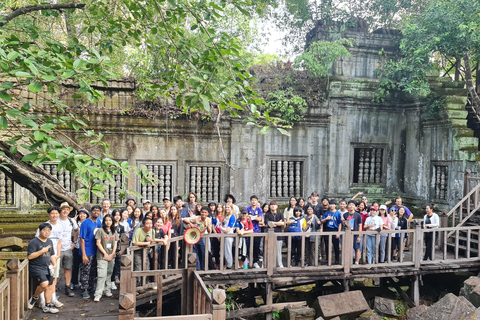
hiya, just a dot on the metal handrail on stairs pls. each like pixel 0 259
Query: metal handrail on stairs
pixel 466 202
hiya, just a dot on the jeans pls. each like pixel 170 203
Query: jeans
pixel 310 252
pixel 105 270
pixel 215 243
pixel 383 242
pixel 228 251
pixel 279 253
pixel 371 239
pixel 428 245
pixel 199 249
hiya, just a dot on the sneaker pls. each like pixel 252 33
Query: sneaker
pixel 117 280
pixel 155 288
pixel 86 295
pixel 113 286
pixel 108 294
pixel 69 292
pixel 31 302
pixel 57 303
pixel 96 299
pixel 256 266
pixel 49 308
pixel 356 262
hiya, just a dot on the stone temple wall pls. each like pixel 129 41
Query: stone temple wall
pixel 346 144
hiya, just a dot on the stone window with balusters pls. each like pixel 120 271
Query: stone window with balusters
pixel 205 180
pixel 286 178
pixel 368 165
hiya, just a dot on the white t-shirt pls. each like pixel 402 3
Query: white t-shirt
pixel 68 225
pixel 56 234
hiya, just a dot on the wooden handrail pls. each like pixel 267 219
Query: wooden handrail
pixel 467 197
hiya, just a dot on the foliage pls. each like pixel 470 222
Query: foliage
pixel 318 59
pixel 276 315
pixel 286 105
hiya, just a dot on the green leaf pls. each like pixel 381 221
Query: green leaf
pixel 205 103
pixel 35 86
pixel 5 96
pixel 6 85
pixel 3 123
pixel 265 130
pixel 47 126
pixel 284 132
pixel 30 157
pixel 22 74
pixel 78 64
pixel 38 135
pixel 179 100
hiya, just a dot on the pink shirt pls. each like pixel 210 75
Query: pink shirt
pixel 166 227
pixel 386 222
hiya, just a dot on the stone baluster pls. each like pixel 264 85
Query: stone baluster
pixel 168 181
pixel 3 197
pixel 193 178
pixel 199 183
pixel 372 165
pixel 279 179
pixel 443 183
pixel 360 166
pixel 378 166
pixel 273 178
pixel 366 166
pixel 291 179
pixel 437 182
pixel 298 176
pixel 216 183
pixel 204 184
pixel 162 182
pixel 210 183
pixel 61 177
pixel 285 179
pixel 149 186
pixel 9 190
pixel 118 185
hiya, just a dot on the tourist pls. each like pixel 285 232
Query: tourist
pixel 355 221
pixel 332 222
pixel 230 199
pixel 131 202
pixel 362 210
pixel 402 225
pixel 120 230
pixel 244 226
pixel 217 219
pixel 383 236
pixel 343 207
pixel 296 224
pixel 167 204
pixel 276 220
pixel 124 220
pixel 77 257
pixel 212 206
pixel 146 206
pixel 176 231
pixel 301 204
pixel 167 224
pixel 183 212
pixel 392 214
pixel 130 210
pixel 256 214
pixel 142 237
pixel 56 235
pixel 70 236
pixel 204 224
pixel 398 204
pixel 288 212
pixel 88 250
pixel 106 239
pixel 228 227
pixel 149 215
pixel 106 204
pixel 318 208
pixel 135 221
pixel 192 201
pixel 312 224
pixel 373 223
pixel 161 237
pixel 40 255
pixel 430 221
pixel 154 210
pixel 198 208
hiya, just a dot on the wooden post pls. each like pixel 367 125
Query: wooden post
pixel 417 246
pixel 270 251
pixel 269 300
pixel 218 308
pixel 415 290
pixel 159 295
pixel 466 182
pixel 127 299
pixel 15 296
pixel 187 288
pixel 347 250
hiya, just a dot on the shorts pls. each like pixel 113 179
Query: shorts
pixel 356 245
pixel 66 260
pixel 41 277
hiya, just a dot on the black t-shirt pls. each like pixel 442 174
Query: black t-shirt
pixel 160 234
pixel 355 220
pixel 269 216
pixel 40 264
pixel 318 211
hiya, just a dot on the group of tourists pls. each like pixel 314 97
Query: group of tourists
pixel 87 247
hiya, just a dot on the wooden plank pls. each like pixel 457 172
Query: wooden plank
pixel 469 235
pixel 202 286
pixel 159 295
pixel 263 309
pixel 402 293
pixel 271 252
pixel 302 256
pixel 235 256
pixel 185 317
pixel 316 250
pixel 269 300
pixel 329 253
pixel 289 250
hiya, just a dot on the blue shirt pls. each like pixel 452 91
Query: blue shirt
pixel 335 221
pixel 87 232
pixel 258 212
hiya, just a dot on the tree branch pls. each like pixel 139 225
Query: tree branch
pixel 472 90
pixel 27 9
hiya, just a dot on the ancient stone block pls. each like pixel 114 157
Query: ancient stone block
pixel 416 313
pixel 448 308
pixel 473 315
pixel 369 315
pixel 471 290
pixel 352 304
pixel 13 243
pixel 298 313
pixel 385 306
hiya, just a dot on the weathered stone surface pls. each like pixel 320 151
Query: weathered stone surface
pixel 416 313
pixel 13 243
pixel 385 306
pixel 298 313
pixel 9 255
pixel 448 308
pixel 471 290
pixel 369 315
pixel 473 315
pixel 328 306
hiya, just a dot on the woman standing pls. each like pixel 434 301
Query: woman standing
pixel 402 225
pixel 106 239
pixel 244 226
pixel 154 210
pixel 430 221
pixel 373 223
pixel 312 225
pixel 395 236
pixel 227 227
pixel 77 258
pixel 383 236
pixel 191 203
pixel 135 221
pixel 119 229
pixel 217 220
pixel 296 224
pixel 288 212
pixel 176 231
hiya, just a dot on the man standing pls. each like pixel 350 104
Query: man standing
pixel 41 254
pixel 142 237
pixel 355 220
pixel 70 236
pixel 278 221
pixel 332 222
pixel 256 215
pixel 56 236
pixel 317 207
pixel 88 250
pixel 146 206
pixel 398 204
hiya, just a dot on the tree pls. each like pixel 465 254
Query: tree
pixel 43 46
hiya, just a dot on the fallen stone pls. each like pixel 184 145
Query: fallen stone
pixel 473 315
pixel 319 318
pixel 13 243
pixel 385 306
pixel 346 304
pixel 369 315
pixel 298 313
pixel 416 313
pixel 471 290
pixel 448 308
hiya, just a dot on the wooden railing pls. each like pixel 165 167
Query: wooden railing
pixel 14 291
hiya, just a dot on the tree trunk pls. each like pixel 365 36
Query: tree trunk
pixel 35 179
pixel 471 84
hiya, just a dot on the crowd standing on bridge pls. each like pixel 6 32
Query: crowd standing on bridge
pixel 87 246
